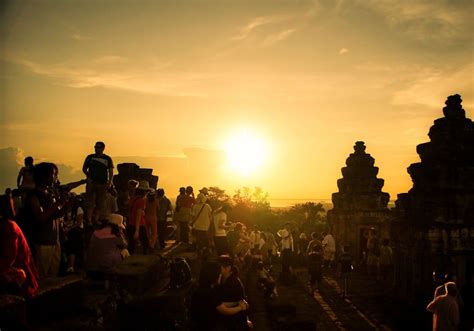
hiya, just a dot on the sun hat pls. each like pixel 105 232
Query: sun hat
pixel 116 219
pixel 144 185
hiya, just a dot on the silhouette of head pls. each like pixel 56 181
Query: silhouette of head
pixel 99 147
pixel 28 161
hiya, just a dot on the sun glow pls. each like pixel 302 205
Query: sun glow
pixel 246 152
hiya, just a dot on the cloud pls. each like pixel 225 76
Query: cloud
pixel 79 37
pixel 432 88
pixel 12 160
pixel 247 29
pixel 343 51
pixel 11 163
pixel 277 37
pixel 148 76
pixel 197 167
pixel 110 59
pixel 443 21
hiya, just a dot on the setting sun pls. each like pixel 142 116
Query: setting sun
pixel 246 152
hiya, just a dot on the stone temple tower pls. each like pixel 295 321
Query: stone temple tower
pixel 434 221
pixel 360 203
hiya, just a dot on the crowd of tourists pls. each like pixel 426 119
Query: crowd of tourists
pixel 47 231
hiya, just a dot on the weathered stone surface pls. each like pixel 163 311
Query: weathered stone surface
pixel 56 296
pixel 12 312
pixel 126 172
pixel 138 273
pixel 360 203
pixel 434 221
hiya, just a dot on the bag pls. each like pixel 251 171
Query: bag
pixel 180 273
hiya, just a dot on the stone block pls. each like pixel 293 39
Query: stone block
pixel 138 273
pixel 12 312
pixel 56 296
pixel 164 310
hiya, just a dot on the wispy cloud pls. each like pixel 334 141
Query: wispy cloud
pixel 110 59
pixel 343 51
pixel 426 20
pixel 80 37
pixel 431 89
pixel 247 29
pixel 277 37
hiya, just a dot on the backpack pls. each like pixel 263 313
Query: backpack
pixel 180 273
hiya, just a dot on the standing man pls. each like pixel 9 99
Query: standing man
pixel 164 210
pixel 329 249
pixel 185 205
pixel 445 309
pixel 99 169
pixel 202 216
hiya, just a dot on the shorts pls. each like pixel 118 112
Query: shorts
pixel 95 196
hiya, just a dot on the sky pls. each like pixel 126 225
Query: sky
pixel 168 84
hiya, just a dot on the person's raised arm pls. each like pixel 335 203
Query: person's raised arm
pixel 433 305
pixel 18 179
pixel 85 167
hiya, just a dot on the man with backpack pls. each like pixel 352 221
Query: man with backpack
pixel 202 216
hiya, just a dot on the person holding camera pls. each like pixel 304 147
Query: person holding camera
pixel 44 211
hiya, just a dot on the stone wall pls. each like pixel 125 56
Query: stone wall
pixel 360 203
pixel 434 221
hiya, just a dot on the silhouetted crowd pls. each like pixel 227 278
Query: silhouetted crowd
pixel 48 231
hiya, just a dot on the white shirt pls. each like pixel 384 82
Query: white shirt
pixel 329 244
pixel 287 242
pixel 204 220
pixel 220 218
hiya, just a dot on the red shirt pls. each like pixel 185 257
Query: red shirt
pixel 17 254
pixel 186 201
pixel 137 203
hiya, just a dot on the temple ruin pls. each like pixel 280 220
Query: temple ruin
pixel 360 203
pixel 434 221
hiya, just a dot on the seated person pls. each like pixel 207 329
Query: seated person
pixel 18 273
pixel 207 308
pixel 107 246
pixel 266 281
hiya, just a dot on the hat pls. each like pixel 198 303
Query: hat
pixel 201 198
pixel 116 219
pixel 99 144
pixel 144 185
pixel 132 183
pixel 203 190
pixel 225 260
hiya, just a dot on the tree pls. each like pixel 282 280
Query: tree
pixel 308 217
pixel 216 197
pixel 251 207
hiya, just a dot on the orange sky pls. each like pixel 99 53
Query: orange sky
pixel 169 83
